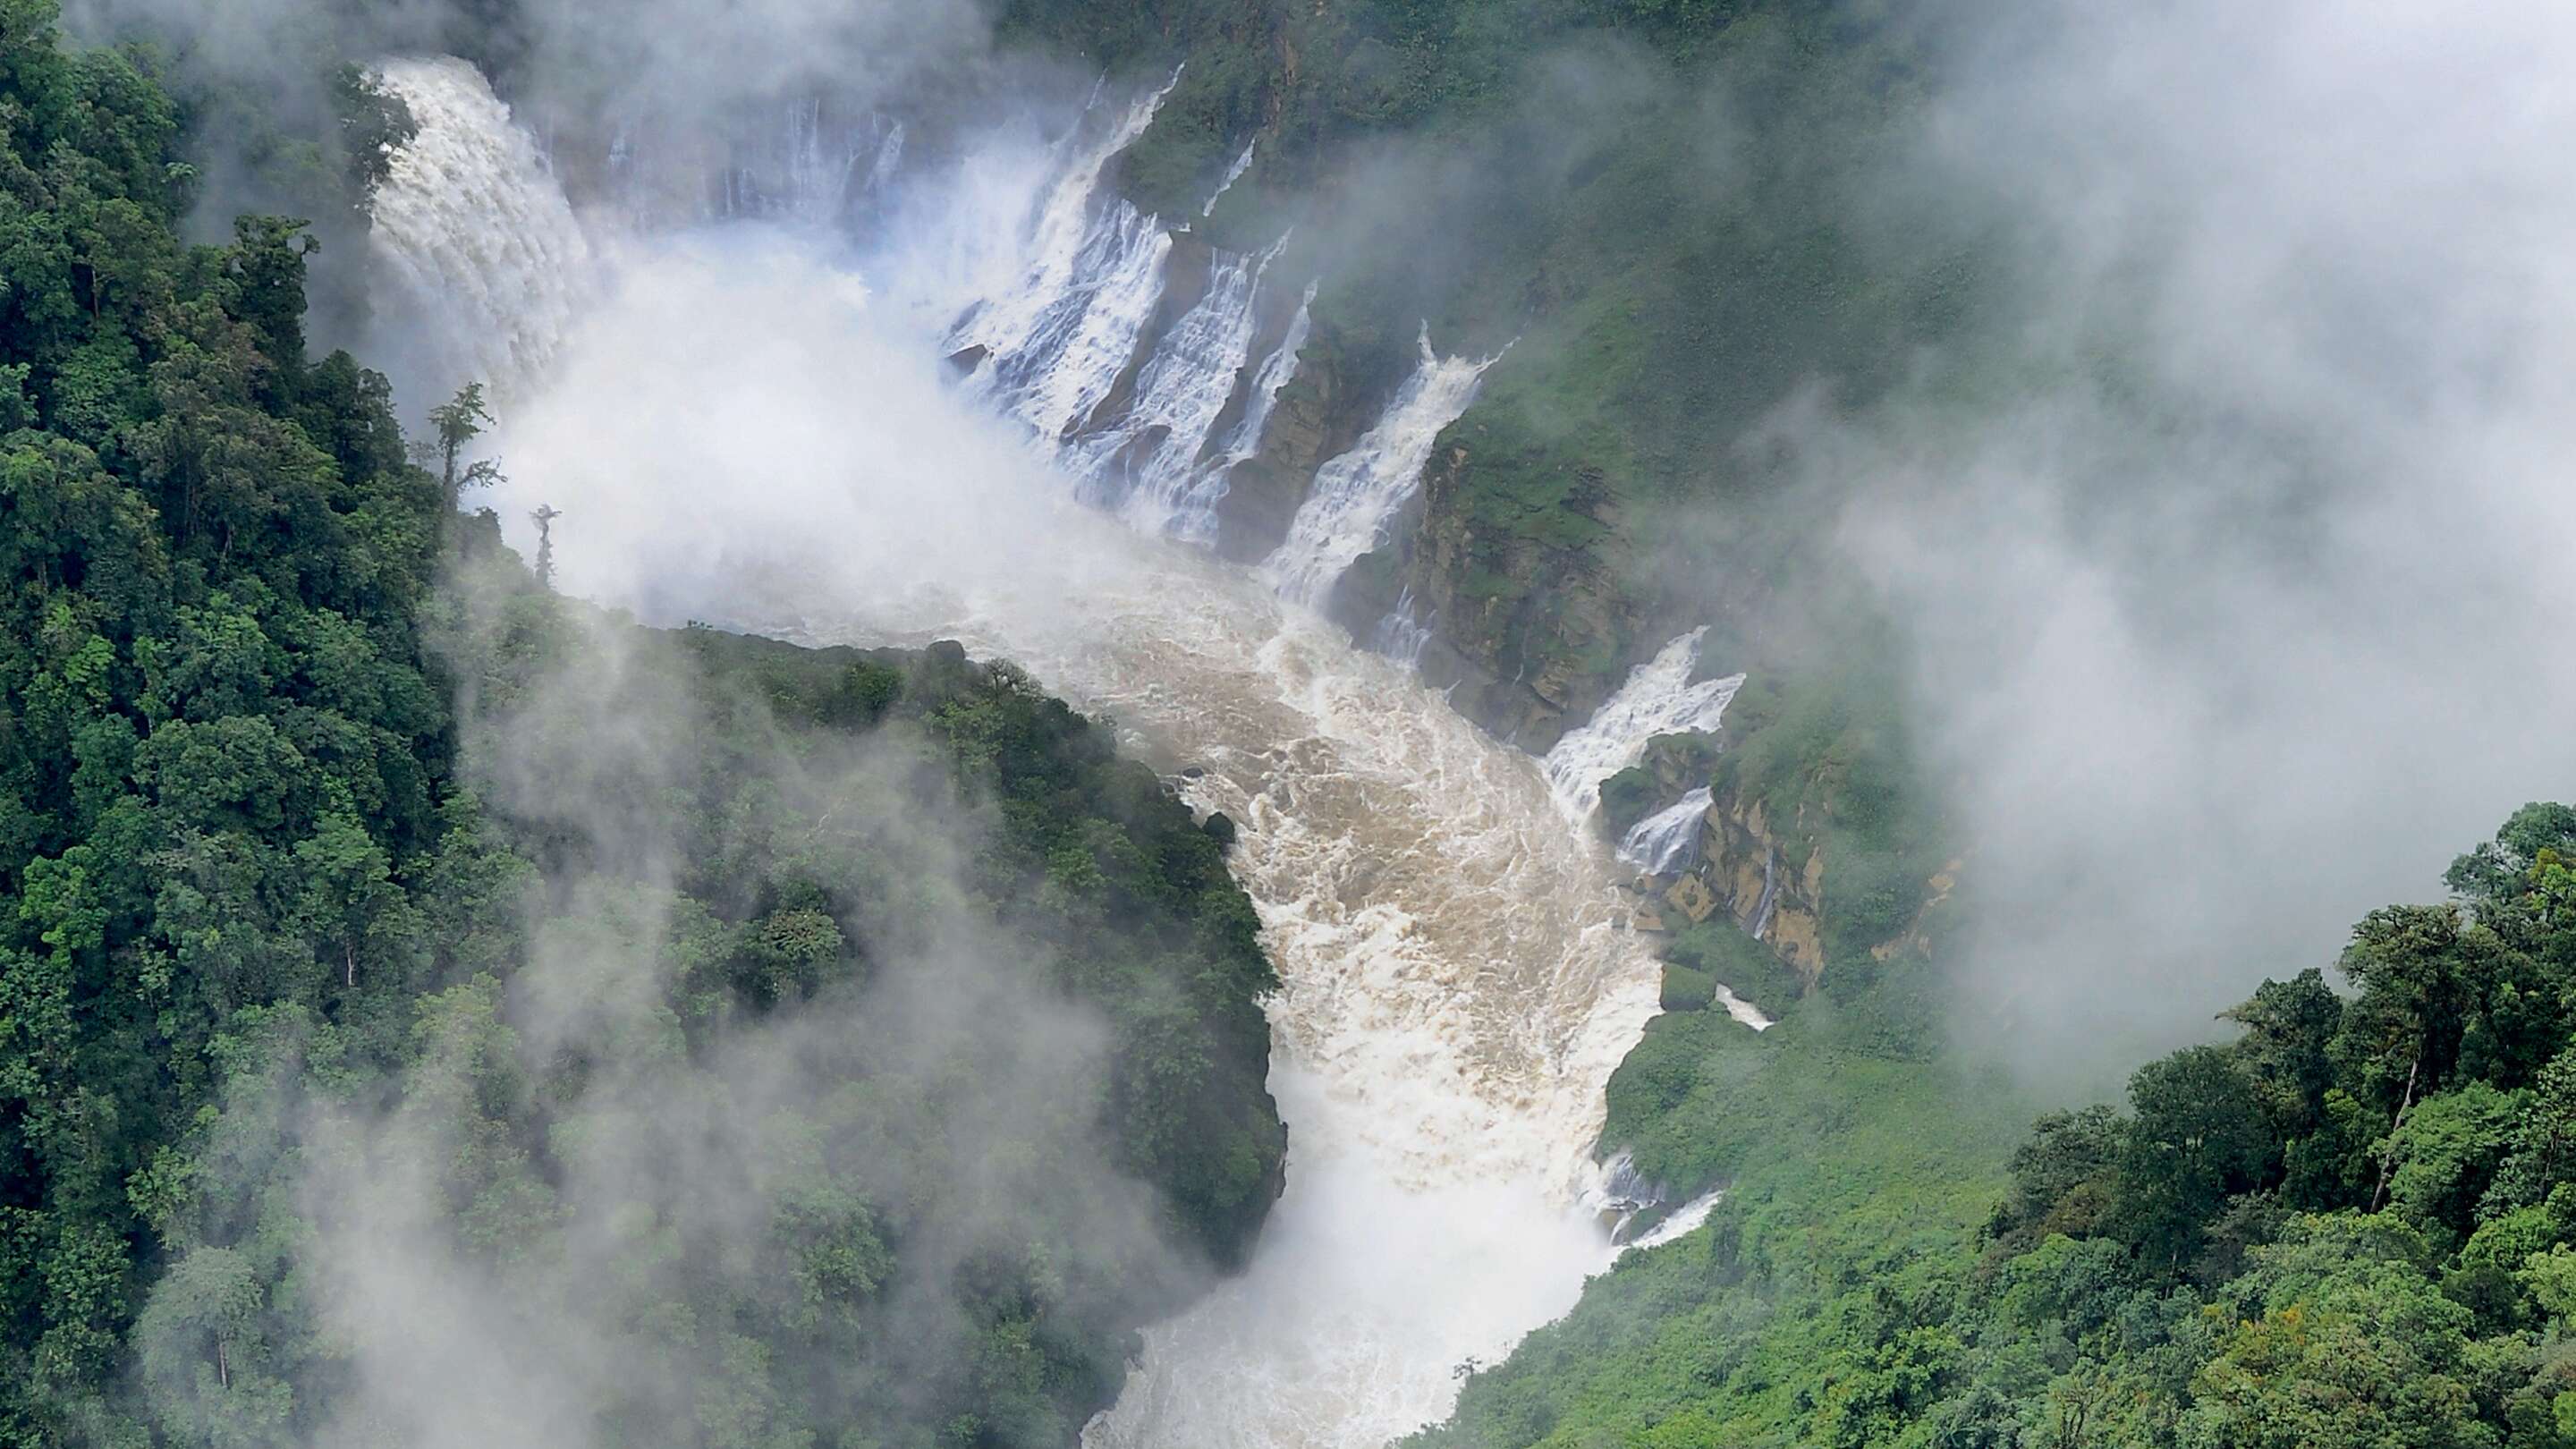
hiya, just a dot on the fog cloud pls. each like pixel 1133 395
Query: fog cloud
pixel 2235 574
pixel 587 1207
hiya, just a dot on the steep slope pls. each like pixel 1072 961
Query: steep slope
pixel 418 994
pixel 1678 218
pixel 2351 1224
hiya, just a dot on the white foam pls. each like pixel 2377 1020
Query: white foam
pixel 1658 698
pixel 1356 496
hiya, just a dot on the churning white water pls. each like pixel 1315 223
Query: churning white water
pixel 1054 343
pixel 1659 698
pixel 1662 842
pixel 1458 978
pixel 490 300
pixel 1146 464
pixel 1356 496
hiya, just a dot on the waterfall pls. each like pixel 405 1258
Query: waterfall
pixel 1679 1221
pixel 1761 929
pixel 1355 496
pixel 1658 699
pixel 1053 346
pixel 1146 463
pixel 1244 441
pixel 888 162
pixel 1399 636
pixel 810 174
pixel 1457 980
pixel 1078 341
pixel 1663 843
pixel 481 248
pixel 1050 339
pixel 1233 174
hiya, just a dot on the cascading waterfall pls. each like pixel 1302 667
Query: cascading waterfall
pixel 1146 464
pixel 1761 928
pixel 1663 843
pixel 1458 978
pixel 812 170
pixel 1657 699
pixel 1356 495
pixel 1399 636
pixel 1053 347
pixel 482 250
pixel 889 161
pixel 1678 1222
pixel 1082 340
pixel 1233 174
pixel 1277 371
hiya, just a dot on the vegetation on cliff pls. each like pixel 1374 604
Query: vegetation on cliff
pixel 1678 216
pixel 418 993
pixel 2350 1224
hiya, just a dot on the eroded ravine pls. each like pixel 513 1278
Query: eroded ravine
pixel 735 431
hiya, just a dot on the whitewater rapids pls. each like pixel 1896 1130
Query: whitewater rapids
pixel 736 431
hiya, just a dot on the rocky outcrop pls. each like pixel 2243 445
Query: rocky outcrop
pixel 1769 878
pixel 1319 413
pixel 1262 493
pixel 1527 639
pixel 1187 268
pixel 1770 888
pixel 1916 939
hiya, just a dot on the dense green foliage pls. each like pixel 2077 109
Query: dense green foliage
pixel 321 997
pixel 845 1099
pixel 2349 1225
pixel 222 743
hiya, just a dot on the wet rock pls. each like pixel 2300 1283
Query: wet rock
pixel 1748 868
pixel 1186 269
pixel 1692 897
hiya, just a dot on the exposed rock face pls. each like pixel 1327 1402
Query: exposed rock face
pixel 1528 640
pixel 1262 495
pixel 1771 884
pixel 1186 271
pixel 1915 940
pixel 1318 414
pixel 1777 899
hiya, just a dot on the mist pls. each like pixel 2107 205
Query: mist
pixel 752 424
pixel 604 1196
pixel 2221 573
pixel 2231 574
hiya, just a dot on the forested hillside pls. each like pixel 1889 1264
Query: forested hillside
pixel 423 1000
pixel 2350 1224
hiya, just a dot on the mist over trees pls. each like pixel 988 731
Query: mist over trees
pixel 431 1009
pixel 2348 1223
pixel 2123 454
